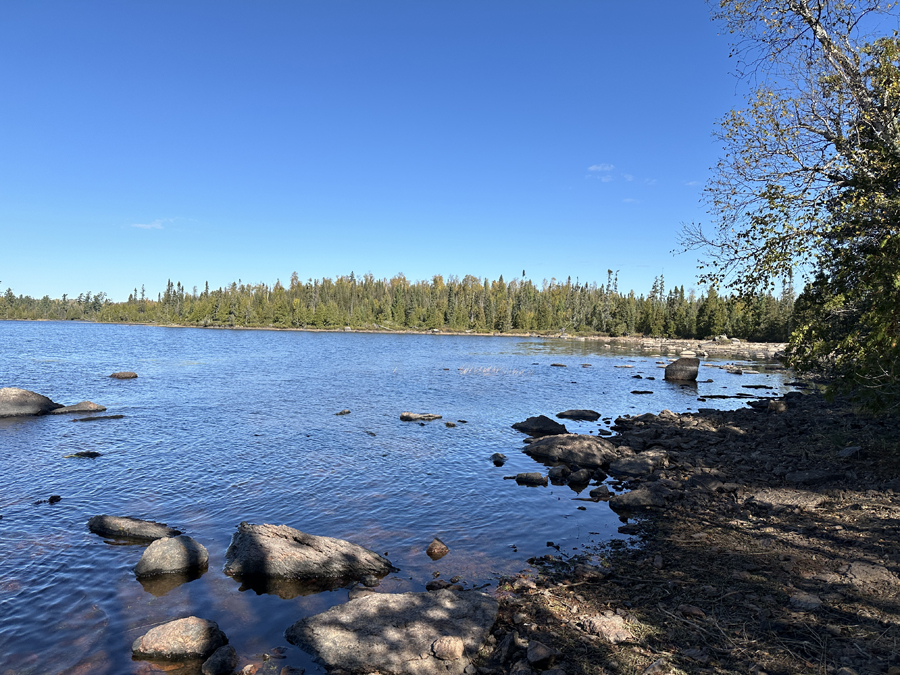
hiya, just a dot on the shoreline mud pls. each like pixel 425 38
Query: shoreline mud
pixel 776 552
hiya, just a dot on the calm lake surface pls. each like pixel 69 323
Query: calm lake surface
pixel 224 426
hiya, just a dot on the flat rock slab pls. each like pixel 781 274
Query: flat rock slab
pixel 281 551
pixel 171 555
pixel 868 577
pixel 84 406
pixel 787 498
pixel 15 402
pixel 582 449
pixel 540 426
pixel 188 638
pixel 611 628
pixel 130 528
pixel 398 634
pixel 583 415
pixel 637 499
pixel 418 417
pixel 640 464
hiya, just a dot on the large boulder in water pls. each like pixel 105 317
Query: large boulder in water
pixel 281 551
pixel 130 528
pixel 399 634
pixel 683 370
pixel 540 426
pixel 15 402
pixel 172 555
pixel 188 638
pixel 581 449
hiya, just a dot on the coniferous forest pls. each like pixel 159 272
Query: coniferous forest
pixel 467 304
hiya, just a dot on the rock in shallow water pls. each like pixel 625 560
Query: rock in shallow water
pixel 124 375
pixel 583 415
pixel 188 638
pixel 222 662
pixel 171 555
pixel 282 551
pixel 130 528
pixel 582 449
pixel 15 402
pixel 437 549
pixel 418 417
pixel 84 406
pixel 540 426
pixel 396 634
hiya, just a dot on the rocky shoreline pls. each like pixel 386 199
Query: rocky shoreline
pixel 770 547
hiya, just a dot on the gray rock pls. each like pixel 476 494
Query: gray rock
pixel 84 406
pixel 600 493
pixel 580 477
pixel 222 662
pixel 540 656
pixel 448 648
pixel 786 498
pixel 171 555
pixel 582 449
pixel 394 634
pixel 15 402
pixel 683 370
pixel 531 478
pixel 130 528
pixel 560 472
pixel 345 411
pixel 436 549
pixel 124 375
pixel 540 426
pixel 640 465
pixel 498 458
pixel 867 576
pixel 584 415
pixel 805 601
pixel 610 627
pixel 418 417
pixel 281 551
pixel 189 638
pixel 636 499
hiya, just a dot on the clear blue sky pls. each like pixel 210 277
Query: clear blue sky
pixel 216 141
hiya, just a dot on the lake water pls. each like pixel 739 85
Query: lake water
pixel 224 426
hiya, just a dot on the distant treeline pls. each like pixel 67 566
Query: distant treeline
pixel 452 304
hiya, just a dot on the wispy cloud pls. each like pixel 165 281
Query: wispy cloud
pixel 629 200
pixel 693 183
pixel 155 225
pixel 650 181
pixel 628 177
pixel 601 167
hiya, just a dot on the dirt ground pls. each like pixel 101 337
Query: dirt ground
pixel 776 551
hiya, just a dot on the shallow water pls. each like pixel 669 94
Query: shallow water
pixel 224 426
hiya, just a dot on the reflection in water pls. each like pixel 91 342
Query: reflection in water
pixel 229 426
pixel 159 585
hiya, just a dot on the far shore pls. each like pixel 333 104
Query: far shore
pixel 732 347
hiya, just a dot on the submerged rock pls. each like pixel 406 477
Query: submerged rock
pixel 582 415
pixel 171 555
pixel 683 370
pixel 15 402
pixel 84 406
pixel 418 417
pixel 582 449
pixel 437 549
pixel 399 634
pixel 531 478
pixel 222 662
pixel 281 551
pixel 188 638
pixel 540 426
pixel 130 528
